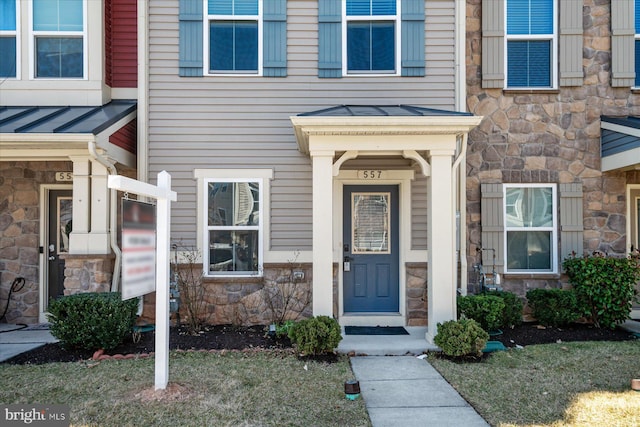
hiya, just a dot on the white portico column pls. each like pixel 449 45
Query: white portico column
pixel 99 242
pixel 79 237
pixel 441 282
pixel 322 162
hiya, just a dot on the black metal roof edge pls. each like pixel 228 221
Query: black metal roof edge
pixel 105 124
pixel 418 111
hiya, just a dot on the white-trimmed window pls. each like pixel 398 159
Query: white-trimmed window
pixel 9 38
pixel 233 220
pixel 58 38
pixel 371 37
pixel 531 43
pixel 234 42
pixel 530 228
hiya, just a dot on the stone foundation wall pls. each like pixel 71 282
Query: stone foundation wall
pixel 87 273
pixel 20 234
pixel 550 136
pixel 416 294
pixel 247 301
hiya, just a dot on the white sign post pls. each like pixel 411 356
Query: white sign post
pixel 164 196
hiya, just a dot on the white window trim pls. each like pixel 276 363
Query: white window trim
pixel 85 40
pixel 553 228
pixel 203 177
pixel 554 50
pixel 205 42
pixel 15 33
pixel 398 41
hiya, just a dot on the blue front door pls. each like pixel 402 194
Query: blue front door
pixel 370 252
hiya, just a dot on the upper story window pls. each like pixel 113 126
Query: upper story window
pixel 530 228
pixel 58 32
pixel 531 53
pixel 9 38
pixel 371 42
pixel 235 28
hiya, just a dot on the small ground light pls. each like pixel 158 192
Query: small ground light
pixel 635 384
pixel 352 389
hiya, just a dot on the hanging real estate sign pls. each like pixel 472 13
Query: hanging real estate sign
pixel 138 248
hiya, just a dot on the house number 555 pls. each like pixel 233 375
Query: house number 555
pixel 371 174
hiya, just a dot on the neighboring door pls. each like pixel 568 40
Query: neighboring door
pixel 370 258
pixel 59 225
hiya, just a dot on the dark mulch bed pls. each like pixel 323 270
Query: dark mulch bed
pixel 218 337
pixel 230 337
pixel 532 333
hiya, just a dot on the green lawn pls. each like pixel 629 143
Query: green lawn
pixel 566 384
pixel 206 389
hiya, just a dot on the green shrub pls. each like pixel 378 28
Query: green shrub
pixel 512 315
pixel 316 335
pixel 604 286
pixel 462 337
pixel 487 310
pixel 282 329
pixel 91 321
pixel 554 307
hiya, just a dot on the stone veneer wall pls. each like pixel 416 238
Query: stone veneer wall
pixel 19 233
pixel 550 137
pixel 416 294
pixel 87 273
pixel 241 301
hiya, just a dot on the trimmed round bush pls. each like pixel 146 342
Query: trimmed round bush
pixel 91 321
pixel 605 287
pixel 316 335
pixel 458 338
pixel 554 307
pixel 487 310
pixel 512 314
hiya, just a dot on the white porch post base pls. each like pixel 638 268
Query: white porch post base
pixel 322 232
pixel 441 292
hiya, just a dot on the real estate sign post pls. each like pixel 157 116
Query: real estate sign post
pixel 164 196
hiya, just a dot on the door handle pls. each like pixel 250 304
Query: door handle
pixel 52 258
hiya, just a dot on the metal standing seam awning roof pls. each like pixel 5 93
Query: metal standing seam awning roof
pixel 395 120
pixel 382 110
pixel 32 131
pixel 620 142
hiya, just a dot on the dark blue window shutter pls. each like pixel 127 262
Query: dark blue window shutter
pixel 329 39
pixel 413 61
pixel 190 45
pixel 275 38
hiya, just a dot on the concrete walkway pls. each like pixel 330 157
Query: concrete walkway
pixel 16 339
pixel 407 391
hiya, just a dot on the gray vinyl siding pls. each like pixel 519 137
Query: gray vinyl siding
pixel 243 122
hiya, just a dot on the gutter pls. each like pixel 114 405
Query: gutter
pixel 113 216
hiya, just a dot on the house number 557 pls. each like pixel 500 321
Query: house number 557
pixel 370 174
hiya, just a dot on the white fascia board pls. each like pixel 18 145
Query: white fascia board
pixel 305 126
pixel 629 159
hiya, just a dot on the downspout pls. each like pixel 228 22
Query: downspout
pixel 113 216
pixel 461 168
pixel 461 105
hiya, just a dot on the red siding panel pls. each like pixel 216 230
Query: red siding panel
pixel 126 137
pixel 121 38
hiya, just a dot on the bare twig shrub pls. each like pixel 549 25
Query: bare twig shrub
pixel 188 274
pixel 287 296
